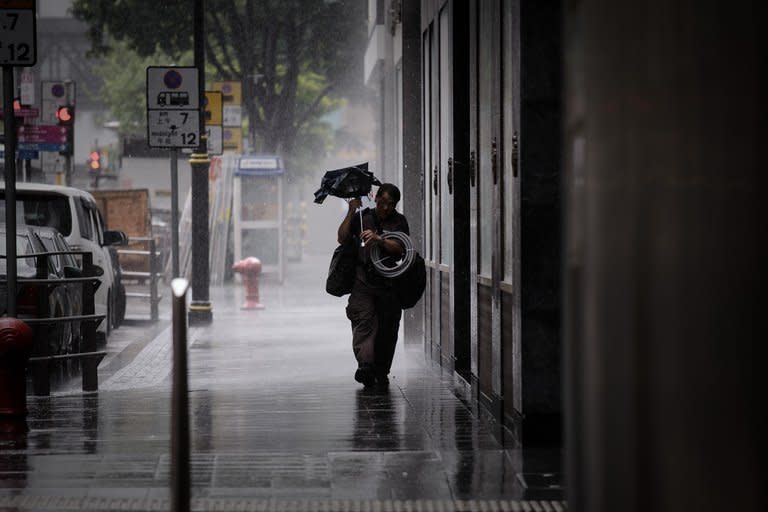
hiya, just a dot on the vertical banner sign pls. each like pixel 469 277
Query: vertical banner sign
pixel 214 116
pixel 18 33
pixel 232 98
pixel 173 107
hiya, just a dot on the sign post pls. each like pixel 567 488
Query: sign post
pixel 18 47
pixel 173 122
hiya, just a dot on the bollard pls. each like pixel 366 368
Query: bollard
pixel 250 268
pixel 180 459
pixel 15 349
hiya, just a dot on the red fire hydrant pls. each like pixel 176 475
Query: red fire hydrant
pixel 15 349
pixel 250 268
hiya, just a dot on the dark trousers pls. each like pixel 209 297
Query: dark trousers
pixel 375 317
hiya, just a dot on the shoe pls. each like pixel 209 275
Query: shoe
pixel 365 377
pixel 382 382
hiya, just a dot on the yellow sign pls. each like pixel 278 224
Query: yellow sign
pixel 232 139
pixel 232 92
pixel 213 108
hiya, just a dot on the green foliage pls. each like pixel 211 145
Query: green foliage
pixel 292 56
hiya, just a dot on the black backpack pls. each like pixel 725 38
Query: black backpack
pixel 409 286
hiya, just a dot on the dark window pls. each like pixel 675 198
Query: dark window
pixel 84 219
pixel 41 210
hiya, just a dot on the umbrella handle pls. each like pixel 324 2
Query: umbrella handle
pixel 362 244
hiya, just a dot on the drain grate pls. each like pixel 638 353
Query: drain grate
pixel 41 503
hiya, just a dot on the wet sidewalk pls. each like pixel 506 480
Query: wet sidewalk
pixel 277 423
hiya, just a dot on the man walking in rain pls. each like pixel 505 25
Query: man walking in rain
pixel 373 308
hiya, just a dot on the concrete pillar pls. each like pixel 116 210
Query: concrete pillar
pixel 665 244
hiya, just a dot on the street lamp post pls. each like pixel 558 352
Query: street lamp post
pixel 200 311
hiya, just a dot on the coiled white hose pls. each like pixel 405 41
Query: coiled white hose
pixel 402 264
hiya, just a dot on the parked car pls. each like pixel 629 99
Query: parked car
pixel 74 213
pixel 65 265
pixel 59 303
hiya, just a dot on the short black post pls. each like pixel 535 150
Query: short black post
pixel 180 466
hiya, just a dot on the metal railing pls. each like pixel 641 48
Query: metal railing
pixel 88 355
pixel 150 278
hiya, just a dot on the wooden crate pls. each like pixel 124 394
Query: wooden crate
pixel 128 211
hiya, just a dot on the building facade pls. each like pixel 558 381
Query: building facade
pixel 587 161
pixel 481 183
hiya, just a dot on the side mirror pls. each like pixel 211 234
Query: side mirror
pixel 115 238
pixel 72 272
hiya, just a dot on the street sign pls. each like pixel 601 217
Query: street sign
pixel 24 154
pixel 172 88
pixel 215 139
pixel 18 33
pixel 23 112
pixel 233 115
pixel 173 128
pixel 27 87
pixel 53 94
pixel 173 107
pixel 259 162
pixel 213 108
pixel 232 95
pixel 233 139
pixel 232 92
pixel 43 134
pixel 213 119
pixel 41 146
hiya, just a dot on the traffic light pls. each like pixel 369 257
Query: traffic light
pixel 94 162
pixel 65 115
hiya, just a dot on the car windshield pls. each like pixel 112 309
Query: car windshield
pixel 41 210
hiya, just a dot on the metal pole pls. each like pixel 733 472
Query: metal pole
pixel 175 212
pixel 9 125
pixel 180 466
pixel 67 157
pixel 200 310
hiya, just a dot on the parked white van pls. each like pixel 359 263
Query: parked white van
pixel 74 213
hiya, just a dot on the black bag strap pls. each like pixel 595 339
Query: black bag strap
pixel 376 222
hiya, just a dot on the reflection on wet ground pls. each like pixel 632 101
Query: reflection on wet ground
pixel 275 414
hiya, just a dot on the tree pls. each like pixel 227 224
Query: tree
pixel 295 58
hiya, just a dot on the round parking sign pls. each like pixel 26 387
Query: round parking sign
pixel 172 79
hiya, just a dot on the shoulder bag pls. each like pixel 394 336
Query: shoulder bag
pixel 341 271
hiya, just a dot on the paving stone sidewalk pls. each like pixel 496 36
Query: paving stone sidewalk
pixel 276 419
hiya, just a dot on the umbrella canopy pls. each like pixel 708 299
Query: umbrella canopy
pixel 354 181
